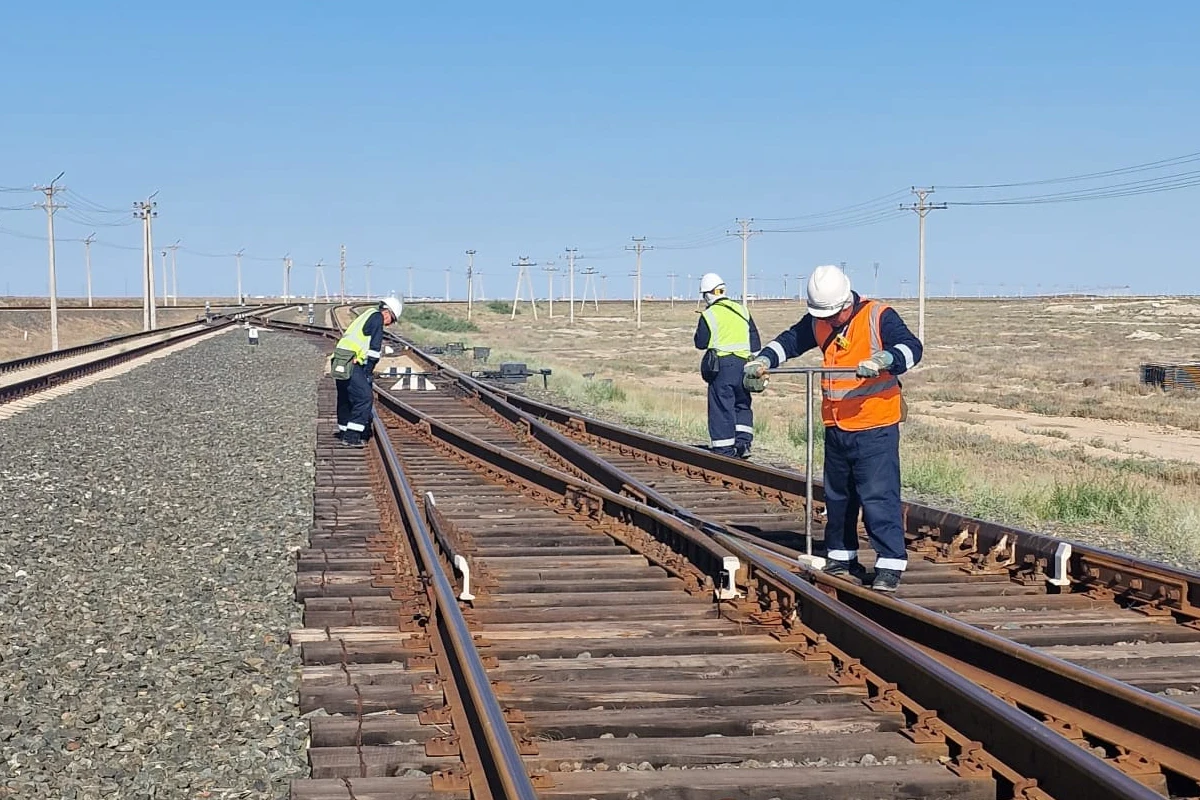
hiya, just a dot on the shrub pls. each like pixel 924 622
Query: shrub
pixel 436 320
pixel 601 392
pixel 501 307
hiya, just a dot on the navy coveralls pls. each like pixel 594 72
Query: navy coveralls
pixel 354 400
pixel 730 418
pixel 862 468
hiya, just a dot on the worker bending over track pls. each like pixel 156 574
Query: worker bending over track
pixel 353 366
pixel 727 334
pixel 862 415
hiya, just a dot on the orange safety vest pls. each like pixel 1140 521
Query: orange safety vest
pixel 849 402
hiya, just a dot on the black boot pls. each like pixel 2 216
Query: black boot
pixel 352 439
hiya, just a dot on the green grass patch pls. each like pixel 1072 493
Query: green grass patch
pixel 603 392
pixel 436 320
pixel 501 307
pixel 1118 503
pixel 936 474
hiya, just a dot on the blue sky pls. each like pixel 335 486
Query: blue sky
pixel 411 133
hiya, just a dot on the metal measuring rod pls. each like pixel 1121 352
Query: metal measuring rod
pixel 808 559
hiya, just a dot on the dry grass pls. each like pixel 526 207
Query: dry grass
pixel 1072 358
pixel 26 332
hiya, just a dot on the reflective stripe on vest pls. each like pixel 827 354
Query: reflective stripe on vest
pixel 852 403
pixel 728 328
pixel 356 341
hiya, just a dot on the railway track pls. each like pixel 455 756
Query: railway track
pixel 1147 741
pixel 32 374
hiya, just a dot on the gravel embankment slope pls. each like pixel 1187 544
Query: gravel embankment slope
pixel 146 534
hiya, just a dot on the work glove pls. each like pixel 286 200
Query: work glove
pixel 754 375
pixel 870 368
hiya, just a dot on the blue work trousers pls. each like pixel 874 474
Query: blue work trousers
pixel 862 471
pixel 730 420
pixel 354 400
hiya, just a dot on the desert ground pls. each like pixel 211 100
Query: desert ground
pixel 1024 410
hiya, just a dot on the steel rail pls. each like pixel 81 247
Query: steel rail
pixel 1133 580
pixel 1109 698
pixel 1012 736
pixel 1062 768
pixel 1120 715
pixel 506 774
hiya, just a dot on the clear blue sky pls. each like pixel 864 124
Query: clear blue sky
pixel 412 132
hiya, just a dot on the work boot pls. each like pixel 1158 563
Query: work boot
pixel 352 439
pixel 849 570
pixel 339 433
pixel 887 580
pixel 743 452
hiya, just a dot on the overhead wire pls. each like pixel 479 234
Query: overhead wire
pixel 1135 168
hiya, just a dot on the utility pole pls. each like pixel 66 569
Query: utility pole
pixel 319 280
pixel 342 275
pixel 550 269
pixel 238 257
pixel 174 273
pixel 875 291
pixel 145 211
pixel 87 263
pixel 410 282
pixel 785 294
pixel 922 207
pixel 524 264
pixel 604 288
pixel 744 234
pixel 50 207
pixel 447 284
pixel 166 286
pixel 470 280
pixel 672 276
pixel 287 277
pixel 638 247
pixel 571 251
pixel 367 267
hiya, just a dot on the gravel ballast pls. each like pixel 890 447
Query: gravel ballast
pixel 147 530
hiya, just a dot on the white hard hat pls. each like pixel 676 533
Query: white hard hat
pixel 393 304
pixel 828 291
pixel 709 282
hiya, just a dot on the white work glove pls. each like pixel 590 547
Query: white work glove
pixel 870 368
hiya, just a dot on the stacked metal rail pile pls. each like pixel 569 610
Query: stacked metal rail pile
pixel 1172 376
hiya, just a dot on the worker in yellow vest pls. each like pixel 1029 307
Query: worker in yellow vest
pixel 862 415
pixel 353 366
pixel 727 335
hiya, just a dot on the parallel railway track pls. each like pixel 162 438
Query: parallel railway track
pixel 24 376
pixel 1140 735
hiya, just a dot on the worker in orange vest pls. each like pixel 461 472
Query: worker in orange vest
pixel 862 415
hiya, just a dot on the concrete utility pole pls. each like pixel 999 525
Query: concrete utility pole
pixel 603 288
pixel 785 294
pixel 589 280
pixel 550 269
pixel 145 211
pixel 744 234
pixel 87 263
pixel 447 284
pixel 319 280
pixel 470 280
pixel 287 277
pixel 50 207
pixel 672 276
pixel 166 286
pixel 571 251
pixel 238 257
pixel 174 274
pixel 367 267
pixel 922 207
pixel 875 291
pixel 524 264
pixel 342 275
pixel 638 247
pixel 410 293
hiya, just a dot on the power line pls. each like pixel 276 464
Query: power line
pixel 1148 166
